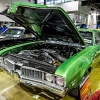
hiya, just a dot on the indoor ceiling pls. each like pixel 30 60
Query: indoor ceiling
pixel 94 4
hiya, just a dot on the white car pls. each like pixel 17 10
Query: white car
pixel 15 32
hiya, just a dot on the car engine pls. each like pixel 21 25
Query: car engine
pixel 43 57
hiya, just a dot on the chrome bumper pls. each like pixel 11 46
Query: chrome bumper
pixel 42 86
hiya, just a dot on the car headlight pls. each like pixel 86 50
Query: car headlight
pixel 49 77
pixel 60 81
pixel 1 60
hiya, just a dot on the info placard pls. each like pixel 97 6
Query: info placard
pixel 85 88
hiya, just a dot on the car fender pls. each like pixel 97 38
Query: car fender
pixel 74 68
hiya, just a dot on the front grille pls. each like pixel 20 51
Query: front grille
pixel 33 74
pixel 30 73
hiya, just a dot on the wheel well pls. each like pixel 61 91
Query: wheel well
pixel 75 92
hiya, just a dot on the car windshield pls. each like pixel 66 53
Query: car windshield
pixel 12 31
pixel 87 37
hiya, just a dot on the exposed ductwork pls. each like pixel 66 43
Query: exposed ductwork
pixel 89 2
pixel 94 4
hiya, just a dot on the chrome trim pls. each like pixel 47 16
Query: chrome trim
pixel 40 78
pixel 43 86
pixel 10 65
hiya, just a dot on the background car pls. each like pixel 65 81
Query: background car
pixel 12 32
pixel 84 26
pixel 15 32
pixel 15 35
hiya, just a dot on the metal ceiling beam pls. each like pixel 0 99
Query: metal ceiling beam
pixel 89 2
pixel 44 2
pixel 35 1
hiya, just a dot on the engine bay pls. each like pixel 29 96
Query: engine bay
pixel 45 53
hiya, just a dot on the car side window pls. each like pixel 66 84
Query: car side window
pixel 97 38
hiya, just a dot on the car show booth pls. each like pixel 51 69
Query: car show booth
pixel 52 49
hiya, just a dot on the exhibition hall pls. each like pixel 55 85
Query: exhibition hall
pixel 49 50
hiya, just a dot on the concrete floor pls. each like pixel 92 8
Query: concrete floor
pixel 12 90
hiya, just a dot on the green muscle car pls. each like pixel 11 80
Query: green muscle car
pixel 59 57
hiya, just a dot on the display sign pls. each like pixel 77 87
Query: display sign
pixel 85 88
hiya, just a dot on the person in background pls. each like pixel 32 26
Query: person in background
pixel 4 28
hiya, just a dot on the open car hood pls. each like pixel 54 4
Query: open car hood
pixel 43 21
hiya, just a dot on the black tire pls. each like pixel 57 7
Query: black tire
pixel 75 93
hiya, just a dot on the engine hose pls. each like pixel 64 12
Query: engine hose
pixel 58 57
